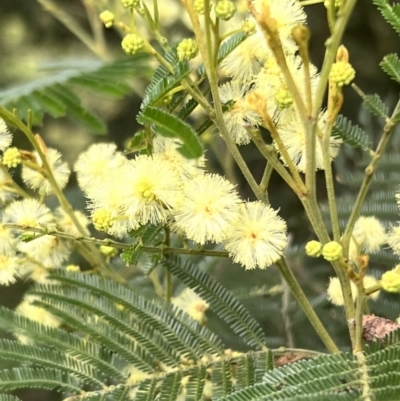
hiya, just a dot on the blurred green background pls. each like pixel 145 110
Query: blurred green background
pixel 31 39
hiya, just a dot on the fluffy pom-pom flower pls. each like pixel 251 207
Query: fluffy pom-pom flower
pixel 208 209
pixel 258 236
pixel 36 180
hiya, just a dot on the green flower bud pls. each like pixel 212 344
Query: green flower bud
pixel 390 280
pixel 342 73
pixel 283 98
pixel 12 157
pixel 199 6
pixel 102 220
pixel 187 49
pixel 108 250
pixel 249 27
pixel 313 248
pixel 337 3
pixel 332 251
pixel 132 43
pixel 107 18
pixel 167 99
pixel 130 3
pixel 225 9
pixel 72 268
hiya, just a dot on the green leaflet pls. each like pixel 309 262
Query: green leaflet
pixel 171 126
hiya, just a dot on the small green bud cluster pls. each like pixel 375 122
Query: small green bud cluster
pixel 249 27
pixel 199 6
pixel 107 18
pixel 130 3
pixel 108 251
pixel 342 73
pixel 132 43
pixel 167 99
pixel 102 220
pixel 12 157
pixel 283 98
pixel 225 9
pixel 187 49
pixel 331 251
pixel 390 281
pixel 337 3
pixel 313 249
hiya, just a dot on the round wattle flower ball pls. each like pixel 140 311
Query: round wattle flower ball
pixel 258 236
pixel 208 209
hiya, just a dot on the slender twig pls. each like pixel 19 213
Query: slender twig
pixel 285 313
pixel 369 173
pixel 118 245
pixel 205 50
pixel 306 306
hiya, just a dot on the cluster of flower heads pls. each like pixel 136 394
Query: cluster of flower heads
pixel 165 188
pixel 31 258
pixel 253 68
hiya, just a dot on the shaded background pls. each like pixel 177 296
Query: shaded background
pixel 31 37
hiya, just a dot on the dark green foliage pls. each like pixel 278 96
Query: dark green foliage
pixel 351 134
pixel 390 13
pixel 171 126
pixel 120 328
pixel 391 65
pixel 375 105
pixel 221 301
pixel 53 94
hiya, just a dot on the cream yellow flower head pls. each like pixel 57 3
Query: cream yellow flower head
pixel 37 180
pixel 258 236
pixel 369 234
pixel 192 304
pixel 94 165
pixel 208 209
pixel 240 115
pixel 167 149
pixel 149 189
pixel 335 294
pixel 5 136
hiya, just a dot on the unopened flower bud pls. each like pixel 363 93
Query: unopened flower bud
pixel 108 250
pixel 313 248
pixel 342 73
pixel 102 220
pixel 107 18
pixel 225 9
pixel 166 99
pixel 283 98
pixel 132 43
pixel 12 157
pixel 249 27
pixel 72 268
pixel 130 3
pixel 337 3
pixel 332 251
pixel 390 280
pixel 187 49
pixel 199 6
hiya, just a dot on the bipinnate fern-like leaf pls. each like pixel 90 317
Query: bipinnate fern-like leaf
pixel 54 93
pixel 221 301
pixel 375 105
pixel 391 65
pixel 170 126
pixel 43 378
pixel 351 134
pixel 391 13
pixel 99 367
pixel 8 397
